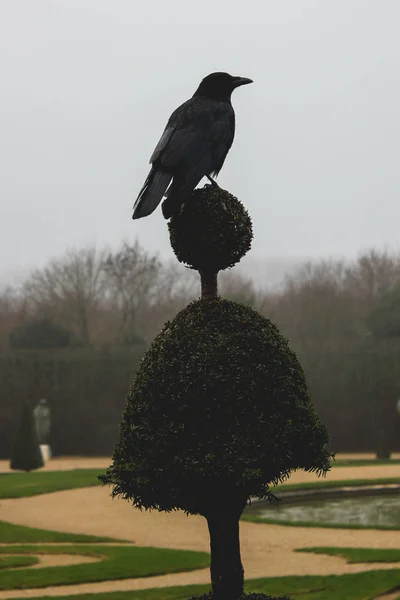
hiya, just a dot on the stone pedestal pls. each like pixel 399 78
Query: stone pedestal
pixel 46 452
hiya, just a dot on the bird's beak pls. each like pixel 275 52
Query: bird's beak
pixel 241 81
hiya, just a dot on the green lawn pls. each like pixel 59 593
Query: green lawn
pixel 17 534
pixel 359 555
pixel 11 562
pixel 21 485
pixel 117 562
pixel 358 586
pixel 122 562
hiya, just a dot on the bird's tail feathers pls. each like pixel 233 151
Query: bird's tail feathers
pixel 151 193
pixel 178 193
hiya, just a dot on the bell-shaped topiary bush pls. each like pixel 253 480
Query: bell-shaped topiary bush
pixel 219 407
pixel 26 454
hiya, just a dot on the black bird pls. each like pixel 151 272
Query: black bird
pixel 194 145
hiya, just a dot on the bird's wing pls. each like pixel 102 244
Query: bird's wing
pixel 175 121
pixel 168 131
pixel 197 137
pixel 202 130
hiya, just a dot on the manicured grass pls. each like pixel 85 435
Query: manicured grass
pixel 17 534
pixel 359 555
pixel 11 562
pixel 366 462
pixel 21 485
pixel 117 562
pixel 358 586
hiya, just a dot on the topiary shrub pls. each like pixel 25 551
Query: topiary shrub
pixel 219 409
pixel 212 232
pixel 26 454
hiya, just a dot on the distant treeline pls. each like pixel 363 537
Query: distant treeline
pixel 75 330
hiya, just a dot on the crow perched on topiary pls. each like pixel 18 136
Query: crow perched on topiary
pixel 194 145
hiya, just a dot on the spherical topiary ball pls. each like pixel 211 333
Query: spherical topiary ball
pixel 219 408
pixel 212 232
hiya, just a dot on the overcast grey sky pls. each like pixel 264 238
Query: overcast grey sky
pixel 87 87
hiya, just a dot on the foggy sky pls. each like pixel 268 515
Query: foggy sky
pixel 88 85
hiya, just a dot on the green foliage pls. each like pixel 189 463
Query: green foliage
pixel 218 409
pixel 39 334
pixel 116 562
pixel 22 485
pixel 212 232
pixel 26 454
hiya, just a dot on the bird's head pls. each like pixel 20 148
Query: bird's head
pixel 220 86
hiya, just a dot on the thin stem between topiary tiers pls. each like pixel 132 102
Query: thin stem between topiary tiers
pixel 209 285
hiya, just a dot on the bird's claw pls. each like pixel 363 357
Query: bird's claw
pixel 212 181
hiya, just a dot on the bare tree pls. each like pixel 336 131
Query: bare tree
pixel 238 288
pixel 315 306
pixel 132 277
pixel 70 290
pixel 373 274
pixel 13 311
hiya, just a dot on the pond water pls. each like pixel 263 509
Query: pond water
pixel 362 510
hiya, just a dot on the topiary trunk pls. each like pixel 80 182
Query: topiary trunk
pixel 227 574
pixel 209 284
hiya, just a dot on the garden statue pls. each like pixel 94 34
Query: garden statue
pixel 42 421
pixel 43 425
